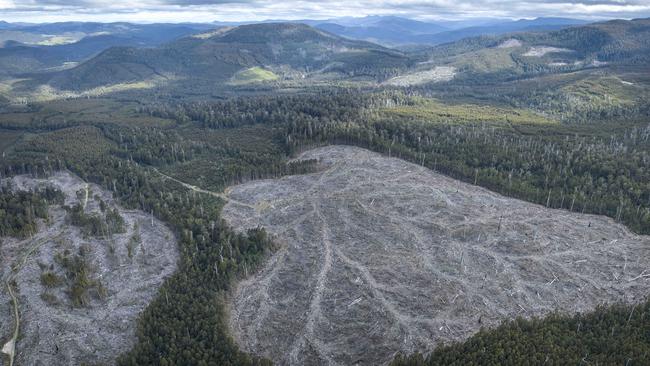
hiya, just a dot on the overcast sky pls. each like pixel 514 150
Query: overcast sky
pixel 242 10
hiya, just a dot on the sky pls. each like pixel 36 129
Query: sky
pixel 152 11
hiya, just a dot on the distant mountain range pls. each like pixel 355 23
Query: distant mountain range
pixel 300 51
pixel 205 57
pixel 399 31
pixel 379 29
pixel 216 56
pixel 28 48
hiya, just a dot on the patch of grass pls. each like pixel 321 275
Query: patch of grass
pixel 253 75
pixel 603 91
pixel 435 112
pixel 57 40
pixel 47 93
pixel 212 33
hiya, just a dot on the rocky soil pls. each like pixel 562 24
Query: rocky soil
pixel 52 330
pixel 380 255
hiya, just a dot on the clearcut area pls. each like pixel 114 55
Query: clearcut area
pixel 79 282
pixel 379 256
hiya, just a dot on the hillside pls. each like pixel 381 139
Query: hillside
pixel 618 42
pixel 217 55
pixel 496 29
pixel 384 30
pixel 45 47
pixel 50 34
pixel 290 55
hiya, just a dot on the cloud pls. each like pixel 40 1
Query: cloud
pixel 6 4
pixel 242 10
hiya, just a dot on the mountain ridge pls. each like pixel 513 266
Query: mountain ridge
pixel 217 55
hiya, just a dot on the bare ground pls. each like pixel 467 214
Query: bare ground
pixel 510 43
pixel 437 74
pixel 380 256
pixel 56 333
pixel 539 51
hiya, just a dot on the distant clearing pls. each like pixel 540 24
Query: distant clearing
pixel 510 43
pixel 437 112
pixel 604 91
pixel 253 75
pixel 380 255
pixel 539 51
pixel 437 74
pixel 213 33
pixel 485 60
pixel 57 40
pixel 46 92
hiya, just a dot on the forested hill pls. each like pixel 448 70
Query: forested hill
pixel 598 39
pixel 32 48
pixel 300 53
pixel 217 55
pixel 612 43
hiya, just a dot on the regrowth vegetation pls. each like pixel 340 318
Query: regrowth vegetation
pixel 253 75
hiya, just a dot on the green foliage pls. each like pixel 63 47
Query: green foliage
pixel 614 335
pixel 94 224
pixel 480 61
pixel 433 111
pixel 134 241
pixel 542 163
pixel 114 221
pixel 212 58
pixel 79 277
pixel 20 209
pixel 51 279
pixel 253 75
pixel 185 324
